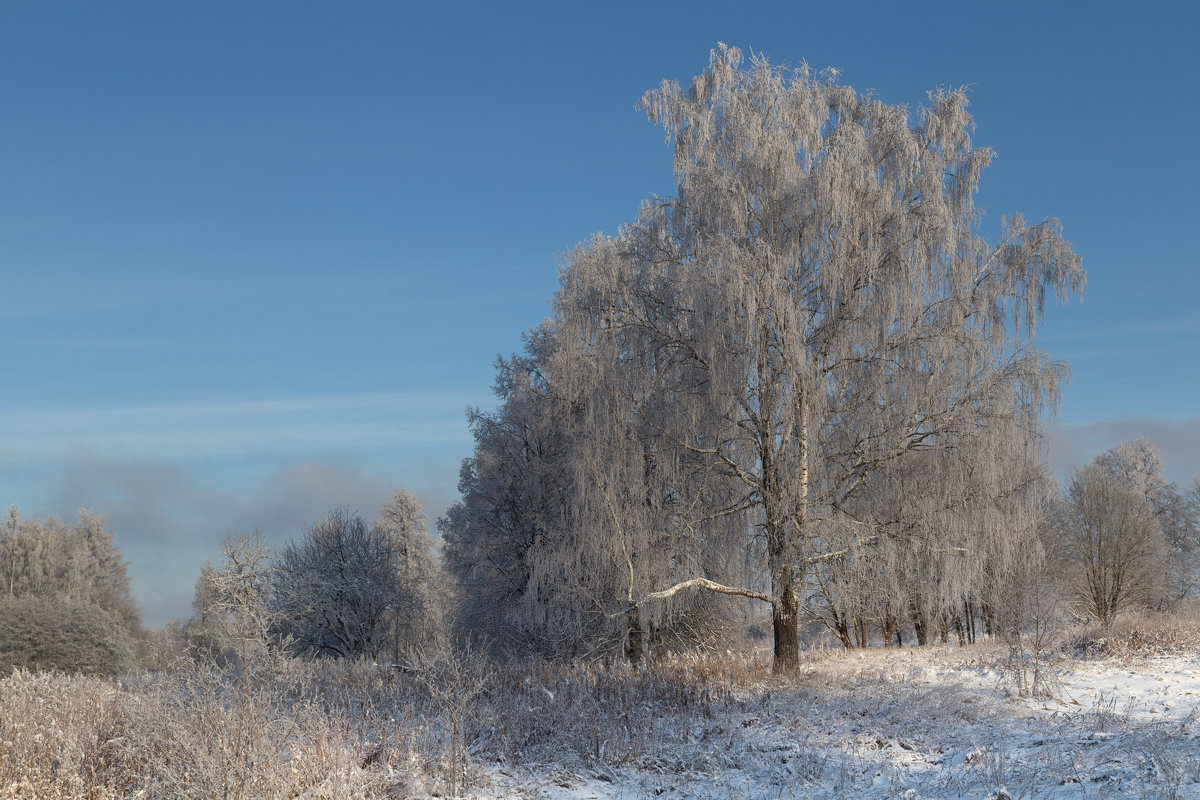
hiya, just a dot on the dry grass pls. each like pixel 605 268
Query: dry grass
pixel 199 735
pixel 62 738
pixel 353 730
pixel 1140 634
pixel 336 729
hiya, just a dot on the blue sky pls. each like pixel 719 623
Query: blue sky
pixel 256 259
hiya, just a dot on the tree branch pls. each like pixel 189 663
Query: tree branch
pixel 712 586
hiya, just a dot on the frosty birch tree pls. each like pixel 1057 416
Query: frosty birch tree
pixel 569 517
pixel 421 596
pixel 79 563
pixel 639 520
pixel 1189 546
pixel 66 595
pixel 814 302
pixel 514 495
pixel 524 544
pixel 1138 466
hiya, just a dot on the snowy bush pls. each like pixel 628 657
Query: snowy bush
pixel 61 634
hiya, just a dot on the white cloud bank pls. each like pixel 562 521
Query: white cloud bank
pixel 1177 440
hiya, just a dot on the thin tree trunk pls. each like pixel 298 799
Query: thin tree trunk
pixel 920 626
pixel 891 627
pixel 844 633
pixel 635 644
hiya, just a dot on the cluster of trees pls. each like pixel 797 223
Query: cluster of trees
pixel 345 589
pixel 64 596
pixel 1117 536
pixel 803 374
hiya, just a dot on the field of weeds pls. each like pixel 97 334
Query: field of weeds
pixel 1123 721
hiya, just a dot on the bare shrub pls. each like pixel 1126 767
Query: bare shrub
pixel 1029 623
pixel 453 679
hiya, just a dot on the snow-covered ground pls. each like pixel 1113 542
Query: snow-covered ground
pixel 923 723
pixel 930 722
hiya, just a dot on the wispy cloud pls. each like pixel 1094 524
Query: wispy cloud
pixel 1115 351
pixel 1163 328
pixel 289 425
pixel 115 343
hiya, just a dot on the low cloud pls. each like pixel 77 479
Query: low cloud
pixel 1177 441
pixel 169 516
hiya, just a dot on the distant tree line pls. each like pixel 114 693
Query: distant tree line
pixel 346 588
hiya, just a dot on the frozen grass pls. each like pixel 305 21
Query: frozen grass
pixel 925 723
pixel 199 735
pixel 1140 634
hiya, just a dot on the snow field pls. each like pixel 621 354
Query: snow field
pixel 926 723
pixel 936 722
